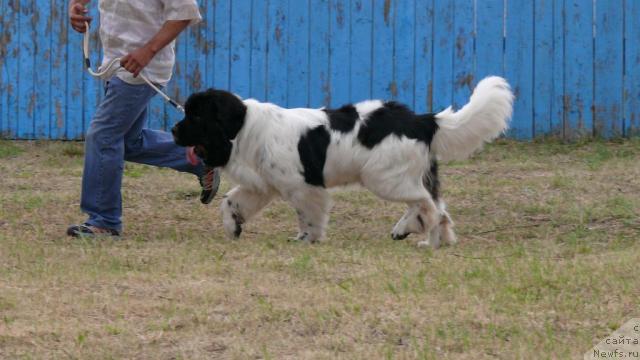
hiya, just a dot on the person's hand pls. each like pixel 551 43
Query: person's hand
pixel 137 60
pixel 78 15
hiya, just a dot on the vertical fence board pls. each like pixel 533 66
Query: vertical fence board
pixel 423 86
pixel 319 54
pixel 558 100
pixel 75 84
pixel 339 52
pixel 383 86
pixel 4 41
pixel 578 68
pixel 11 65
pixel 58 72
pixel 259 49
pixel 240 75
pixel 42 69
pixel 463 60
pixel 26 92
pixel 361 49
pixel 196 39
pixel 277 48
pixel 632 68
pixel 222 32
pixel 489 38
pixel 608 116
pixel 443 52
pixel 298 60
pixel 519 65
pixel 543 65
pixel 404 44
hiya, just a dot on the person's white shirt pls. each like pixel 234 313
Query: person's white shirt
pixel 127 25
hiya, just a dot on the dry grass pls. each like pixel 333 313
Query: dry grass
pixel 547 265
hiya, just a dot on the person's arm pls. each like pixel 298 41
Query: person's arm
pixel 77 15
pixel 138 59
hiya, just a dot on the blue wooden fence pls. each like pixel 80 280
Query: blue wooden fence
pixel 574 64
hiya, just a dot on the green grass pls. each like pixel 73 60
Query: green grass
pixel 545 268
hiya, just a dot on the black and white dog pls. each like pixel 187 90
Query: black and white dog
pixel 298 154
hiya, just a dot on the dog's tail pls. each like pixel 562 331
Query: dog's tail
pixel 484 118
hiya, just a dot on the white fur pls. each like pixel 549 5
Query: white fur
pixel 265 163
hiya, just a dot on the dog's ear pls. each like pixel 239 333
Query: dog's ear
pixel 217 145
pixel 229 111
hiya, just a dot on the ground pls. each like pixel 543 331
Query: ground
pixel 547 265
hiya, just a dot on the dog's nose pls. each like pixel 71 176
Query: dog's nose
pixel 174 130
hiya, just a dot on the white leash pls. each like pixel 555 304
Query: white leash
pixel 115 62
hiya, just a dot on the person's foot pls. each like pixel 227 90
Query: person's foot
pixel 89 231
pixel 210 181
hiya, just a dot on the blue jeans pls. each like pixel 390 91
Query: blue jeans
pixel 117 133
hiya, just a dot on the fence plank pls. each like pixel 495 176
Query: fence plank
pixel 58 72
pixel 11 65
pixel 558 100
pixel 42 69
pixel 443 52
pixel 259 49
pixel 339 52
pixel 361 49
pixel 75 81
pixel 26 92
pixel 277 56
pixel 608 72
pixel 489 38
pixel 578 68
pixel 240 75
pixel 222 32
pixel 542 72
pixel 463 60
pixel 518 60
pixel 423 87
pixel 319 93
pixel 298 59
pixel 383 86
pixel 632 68
pixel 4 41
pixel 404 45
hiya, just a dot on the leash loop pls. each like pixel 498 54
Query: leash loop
pixel 113 65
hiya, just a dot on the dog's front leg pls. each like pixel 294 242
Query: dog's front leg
pixel 239 205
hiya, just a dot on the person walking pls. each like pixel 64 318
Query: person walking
pixel 142 33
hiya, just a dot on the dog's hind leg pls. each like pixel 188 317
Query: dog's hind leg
pixel 312 205
pixel 422 217
pixel 239 205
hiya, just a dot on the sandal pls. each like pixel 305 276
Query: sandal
pixel 87 230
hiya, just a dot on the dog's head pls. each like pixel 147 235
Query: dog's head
pixel 212 119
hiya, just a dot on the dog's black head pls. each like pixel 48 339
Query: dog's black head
pixel 212 119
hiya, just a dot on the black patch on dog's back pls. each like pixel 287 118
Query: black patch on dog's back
pixel 312 148
pixel 395 118
pixel 431 181
pixel 342 119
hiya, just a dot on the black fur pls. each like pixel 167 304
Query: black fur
pixel 431 181
pixel 312 148
pixel 212 119
pixel 342 119
pixel 397 119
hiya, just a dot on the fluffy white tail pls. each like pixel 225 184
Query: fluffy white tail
pixel 484 118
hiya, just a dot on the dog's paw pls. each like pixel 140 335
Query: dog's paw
pixel 397 236
pixel 399 231
pixel 232 223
